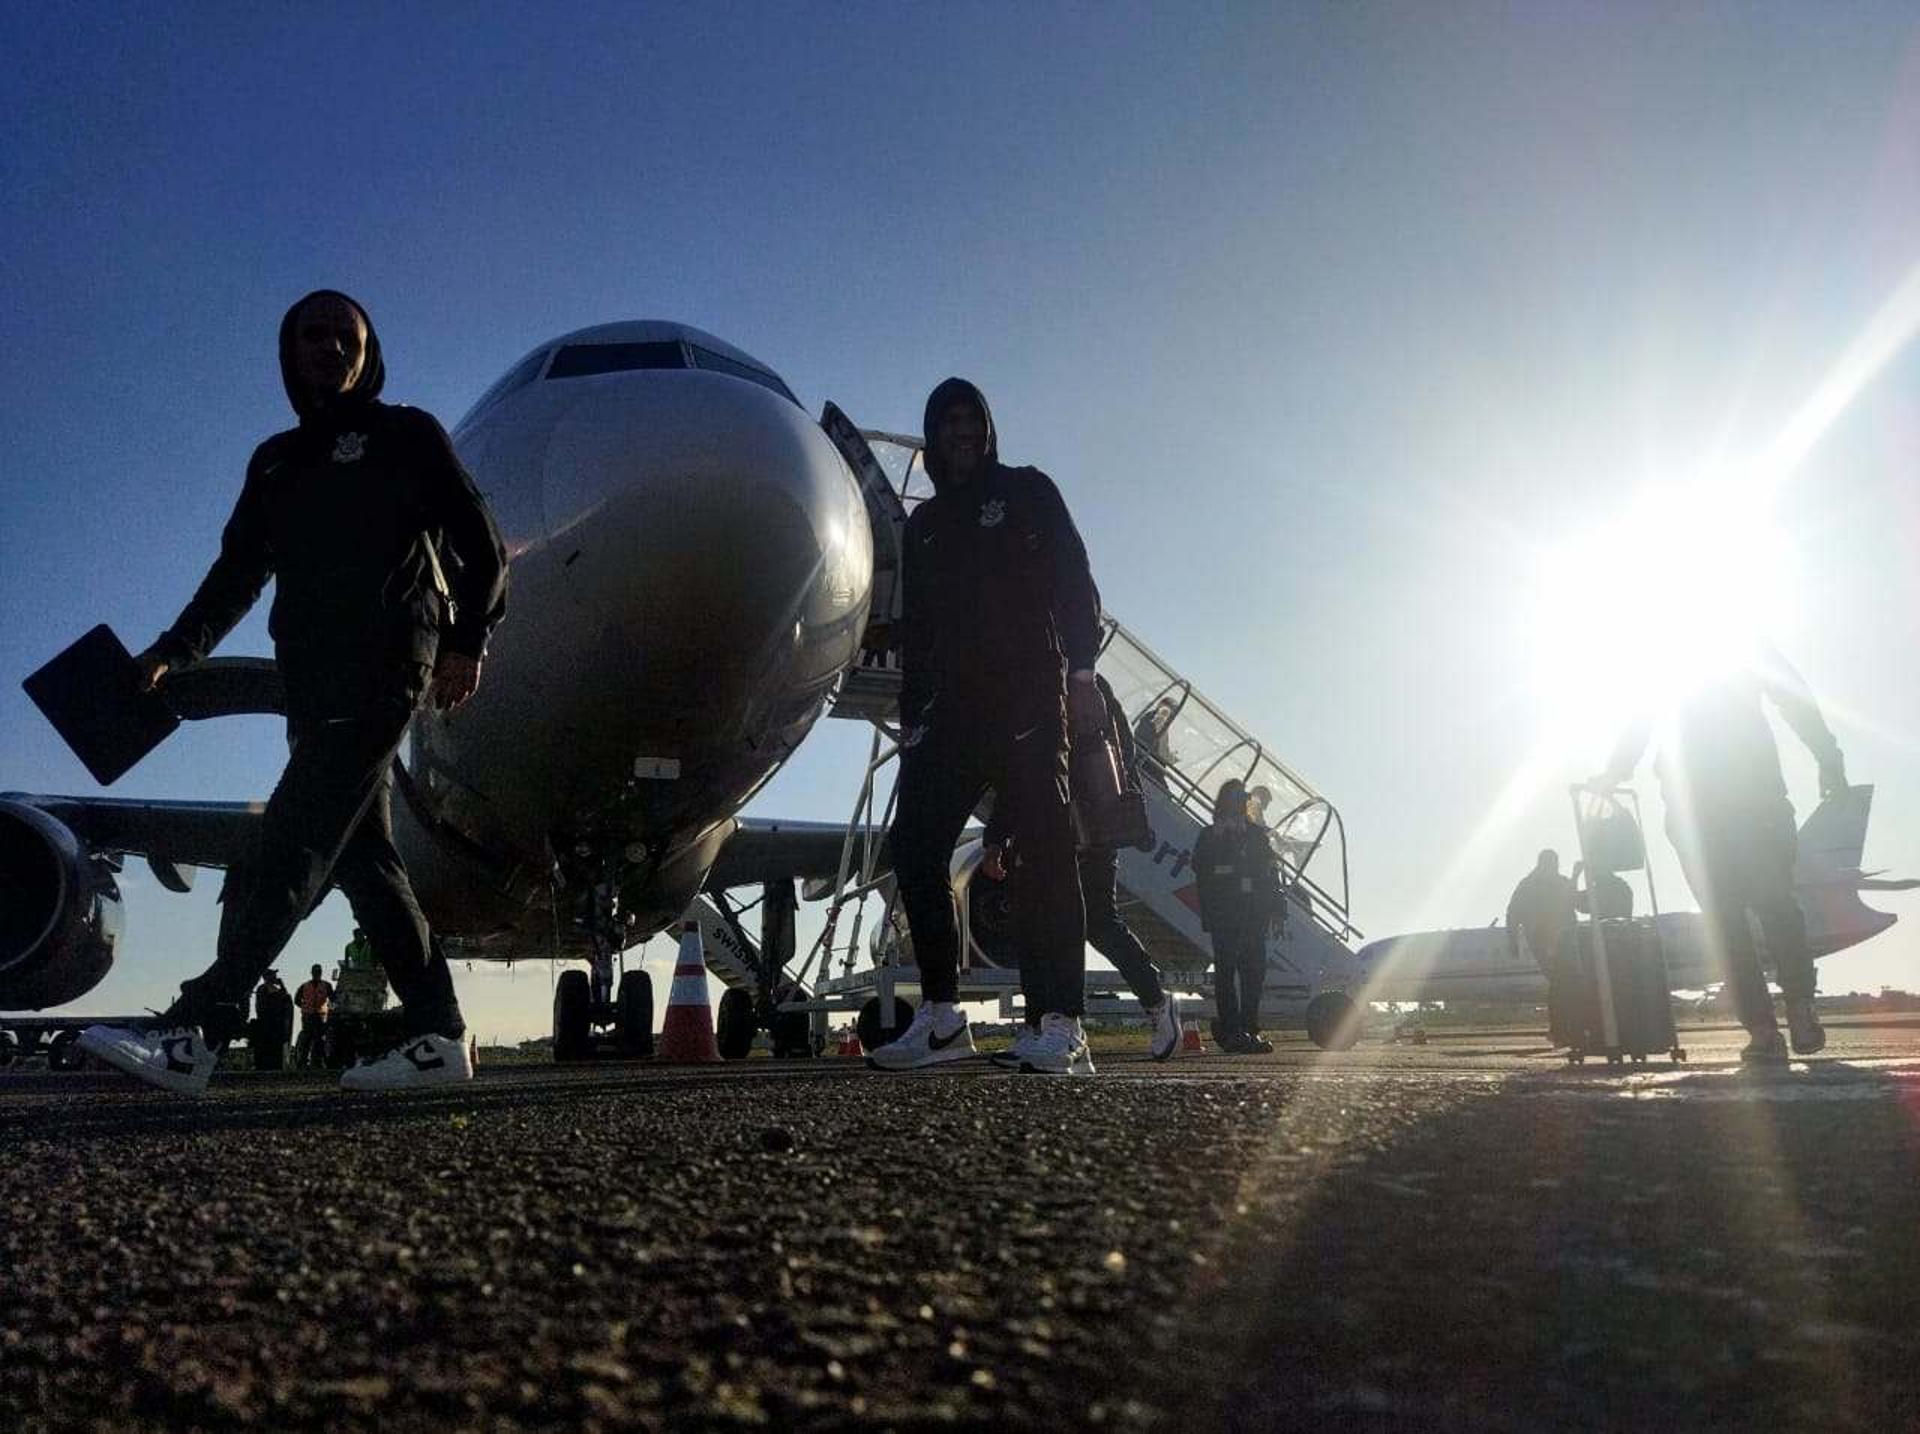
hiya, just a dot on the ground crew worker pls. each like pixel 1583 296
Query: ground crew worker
pixel 1107 933
pixel 359 952
pixel 1733 828
pixel 389 575
pixel 315 1000
pixel 272 1023
pixel 1541 908
pixel 999 630
pixel 1240 899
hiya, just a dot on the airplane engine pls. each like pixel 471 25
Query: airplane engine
pixel 60 916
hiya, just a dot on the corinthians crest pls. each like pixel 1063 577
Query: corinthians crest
pixel 993 512
pixel 349 447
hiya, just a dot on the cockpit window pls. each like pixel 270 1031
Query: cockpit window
pixel 720 363
pixel 519 376
pixel 584 360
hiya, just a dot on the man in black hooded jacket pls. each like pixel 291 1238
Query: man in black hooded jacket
pixel 1000 628
pixel 389 574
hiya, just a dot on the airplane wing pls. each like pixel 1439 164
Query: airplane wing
pixel 175 833
pixel 762 851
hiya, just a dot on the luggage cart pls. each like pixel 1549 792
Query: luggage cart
pixel 1623 1008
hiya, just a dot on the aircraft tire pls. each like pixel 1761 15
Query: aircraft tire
pixel 64 1053
pixel 735 1025
pixel 1333 1021
pixel 633 1014
pixel 867 1024
pixel 572 1018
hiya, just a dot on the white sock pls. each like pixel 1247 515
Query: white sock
pixel 946 1015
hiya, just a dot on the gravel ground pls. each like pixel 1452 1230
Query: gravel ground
pixel 1461 1235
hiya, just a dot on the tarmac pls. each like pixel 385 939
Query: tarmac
pixel 1463 1235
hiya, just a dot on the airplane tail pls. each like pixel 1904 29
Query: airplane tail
pixel 1828 878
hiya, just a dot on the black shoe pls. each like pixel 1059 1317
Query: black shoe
pixel 1234 1043
pixel 1257 1044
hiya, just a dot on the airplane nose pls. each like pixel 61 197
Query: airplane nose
pixel 716 551
pixel 702 532
pixel 691 568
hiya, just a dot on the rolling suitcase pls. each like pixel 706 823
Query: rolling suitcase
pixel 1613 998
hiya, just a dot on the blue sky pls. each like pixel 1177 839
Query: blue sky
pixel 1328 320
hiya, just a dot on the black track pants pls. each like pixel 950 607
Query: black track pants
pixel 1740 866
pixel 1107 933
pixel 1239 973
pixel 331 818
pixel 942 778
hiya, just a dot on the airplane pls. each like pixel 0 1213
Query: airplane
pixel 693 569
pixel 1480 964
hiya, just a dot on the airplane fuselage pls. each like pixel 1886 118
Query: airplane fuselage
pixel 691 568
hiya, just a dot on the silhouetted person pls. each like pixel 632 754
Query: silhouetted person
pixel 389 573
pixel 1240 899
pixel 1153 740
pixel 272 1023
pixel 358 954
pixel 1729 820
pixel 999 631
pixel 315 1000
pixel 1541 908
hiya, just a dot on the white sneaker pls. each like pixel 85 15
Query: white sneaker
pixel 938 1034
pixel 1060 1049
pixel 175 1059
pixel 1015 1055
pixel 422 1061
pixel 1163 1039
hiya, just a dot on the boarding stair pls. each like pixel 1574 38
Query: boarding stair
pixel 1158 890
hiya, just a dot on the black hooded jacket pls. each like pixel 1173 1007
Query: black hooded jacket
pixel 998 601
pixel 381 548
pixel 1719 761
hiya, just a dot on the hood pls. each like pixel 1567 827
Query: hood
pixel 944 395
pixel 373 373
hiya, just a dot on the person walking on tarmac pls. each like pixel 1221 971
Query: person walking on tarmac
pixel 1733 829
pixel 1000 627
pixel 315 1000
pixel 389 574
pixel 1107 933
pixel 1541 908
pixel 1240 899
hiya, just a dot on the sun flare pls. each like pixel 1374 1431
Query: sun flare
pixel 1629 617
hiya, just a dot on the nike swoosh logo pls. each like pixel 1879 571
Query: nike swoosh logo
pixel 1022 736
pixel 173 1050
pixel 423 1058
pixel 940 1043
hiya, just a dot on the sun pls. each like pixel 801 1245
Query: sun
pixel 1628 618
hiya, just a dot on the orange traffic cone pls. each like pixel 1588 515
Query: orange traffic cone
pixel 1190 1042
pixel 686 1035
pixel 850 1044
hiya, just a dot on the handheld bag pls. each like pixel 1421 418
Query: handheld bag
pixel 91 694
pixel 1107 811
